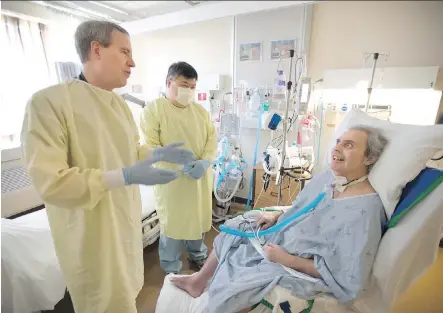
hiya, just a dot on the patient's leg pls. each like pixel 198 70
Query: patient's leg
pixel 196 284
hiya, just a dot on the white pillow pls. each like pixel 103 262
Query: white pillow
pixel 409 148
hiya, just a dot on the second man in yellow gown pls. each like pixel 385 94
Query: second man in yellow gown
pixel 184 205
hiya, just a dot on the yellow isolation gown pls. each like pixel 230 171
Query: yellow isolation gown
pixel 184 206
pixel 73 133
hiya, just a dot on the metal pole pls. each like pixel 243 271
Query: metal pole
pixel 372 80
pixel 285 126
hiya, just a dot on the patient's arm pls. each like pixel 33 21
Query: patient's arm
pixel 302 265
pixel 277 254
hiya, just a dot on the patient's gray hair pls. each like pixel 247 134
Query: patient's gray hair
pixel 376 142
pixel 90 31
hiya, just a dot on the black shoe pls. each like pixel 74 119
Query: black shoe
pixel 198 263
pixel 174 273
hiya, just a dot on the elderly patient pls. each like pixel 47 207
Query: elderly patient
pixel 335 242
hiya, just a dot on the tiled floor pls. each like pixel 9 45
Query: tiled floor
pixel 424 297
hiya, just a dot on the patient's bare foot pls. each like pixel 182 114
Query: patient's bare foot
pixel 191 284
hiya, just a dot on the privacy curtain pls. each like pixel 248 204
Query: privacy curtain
pixel 24 69
pixel 67 70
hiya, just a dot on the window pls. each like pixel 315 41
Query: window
pixel 24 70
pixel 60 41
pixel 34 56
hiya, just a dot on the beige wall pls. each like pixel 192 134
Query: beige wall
pixel 207 46
pixel 410 31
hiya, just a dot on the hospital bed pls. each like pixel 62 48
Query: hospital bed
pixel 406 250
pixel 31 276
pixel 397 250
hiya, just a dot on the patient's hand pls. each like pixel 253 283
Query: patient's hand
pixel 267 219
pixel 275 253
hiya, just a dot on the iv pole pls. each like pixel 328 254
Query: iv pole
pixel 375 56
pixel 372 80
pixel 285 127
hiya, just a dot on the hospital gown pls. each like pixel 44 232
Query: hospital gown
pixel 72 133
pixel 341 235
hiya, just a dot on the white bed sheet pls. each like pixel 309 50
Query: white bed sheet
pixel 31 276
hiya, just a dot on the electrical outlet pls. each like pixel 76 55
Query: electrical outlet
pixel 217 104
pixel 331 107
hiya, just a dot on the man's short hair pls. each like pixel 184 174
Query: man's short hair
pixel 90 31
pixel 181 69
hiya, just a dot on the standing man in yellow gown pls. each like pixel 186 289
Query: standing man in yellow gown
pixel 185 205
pixel 81 147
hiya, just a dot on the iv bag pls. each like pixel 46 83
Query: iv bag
pixel 279 86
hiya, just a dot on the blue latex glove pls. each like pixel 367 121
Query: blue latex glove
pixel 143 173
pixel 173 154
pixel 196 169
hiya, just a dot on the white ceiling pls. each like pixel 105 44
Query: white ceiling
pixel 120 11
pixel 142 16
pixel 207 10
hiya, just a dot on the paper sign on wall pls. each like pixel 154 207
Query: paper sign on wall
pixel 280 48
pixel 251 52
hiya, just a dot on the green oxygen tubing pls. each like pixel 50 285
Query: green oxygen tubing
pixel 278 226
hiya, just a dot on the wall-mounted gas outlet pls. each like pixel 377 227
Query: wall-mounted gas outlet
pixel 216 104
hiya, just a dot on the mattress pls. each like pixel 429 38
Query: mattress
pixel 150 221
pixel 36 220
pixel 31 275
pixel 39 219
pixel 148 200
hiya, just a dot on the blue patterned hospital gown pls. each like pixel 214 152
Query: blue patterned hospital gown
pixel 341 235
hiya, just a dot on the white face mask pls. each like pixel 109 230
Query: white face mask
pixel 185 96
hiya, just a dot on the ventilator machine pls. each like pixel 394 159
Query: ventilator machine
pixel 279 109
pixel 228 166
